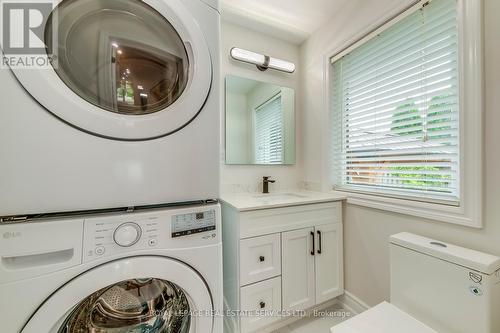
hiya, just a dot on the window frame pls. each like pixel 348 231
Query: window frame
pixel 469 210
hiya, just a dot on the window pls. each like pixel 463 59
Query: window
pixel 406 113
pixel 269 132
pixel 396 99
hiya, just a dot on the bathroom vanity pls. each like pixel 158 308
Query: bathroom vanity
pixel 282 253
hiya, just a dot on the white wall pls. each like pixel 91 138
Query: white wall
pixel 367 230
pixel 237 178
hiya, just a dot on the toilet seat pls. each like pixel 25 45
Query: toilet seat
pixel 383 318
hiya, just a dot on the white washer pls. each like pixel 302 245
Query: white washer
pixel 129 272
pixel 128 117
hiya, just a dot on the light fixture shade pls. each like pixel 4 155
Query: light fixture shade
pixel 247 56
pixel 262 61
pixel 281 65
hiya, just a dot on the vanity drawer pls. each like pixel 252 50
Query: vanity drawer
pixel 262 302
pixel 260 258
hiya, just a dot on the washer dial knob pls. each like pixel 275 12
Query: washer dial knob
pixel 127 234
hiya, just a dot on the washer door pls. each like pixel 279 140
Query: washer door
pixel 141 294
pixel 124 69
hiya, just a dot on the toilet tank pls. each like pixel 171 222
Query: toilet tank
pixel 450 288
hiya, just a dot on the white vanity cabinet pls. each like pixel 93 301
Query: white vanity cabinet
pixel 312 262
pixel 280 259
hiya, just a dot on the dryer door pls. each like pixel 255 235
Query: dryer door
pixel 123 69
pixel 141 294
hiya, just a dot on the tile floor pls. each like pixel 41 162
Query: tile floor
pixel 318 324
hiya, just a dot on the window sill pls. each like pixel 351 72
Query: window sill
pixel 438 212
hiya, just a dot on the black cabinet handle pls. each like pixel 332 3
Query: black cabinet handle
pixel 262 258
pixel 320 242
pixel 314 243
pixel 262 305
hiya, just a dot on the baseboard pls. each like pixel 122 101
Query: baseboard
pixel 352 303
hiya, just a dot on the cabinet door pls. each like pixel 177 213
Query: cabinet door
pixel 297 259
pixel 329 262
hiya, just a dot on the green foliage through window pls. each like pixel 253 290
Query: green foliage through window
pixel 415 124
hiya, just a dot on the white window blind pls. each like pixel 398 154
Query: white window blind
pixel 395 107
pixel 269 132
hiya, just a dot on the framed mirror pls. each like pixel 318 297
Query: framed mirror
pixel 260 122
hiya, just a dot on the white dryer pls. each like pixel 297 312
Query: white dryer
pixel 128 115
pixel 155 271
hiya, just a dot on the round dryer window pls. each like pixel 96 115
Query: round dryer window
pixel 123 69
pixel 120 55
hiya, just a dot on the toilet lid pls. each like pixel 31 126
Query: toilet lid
pixel 383 318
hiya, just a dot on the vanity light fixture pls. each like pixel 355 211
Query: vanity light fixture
pixel 263 62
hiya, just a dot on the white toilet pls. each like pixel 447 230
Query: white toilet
pixel 435 287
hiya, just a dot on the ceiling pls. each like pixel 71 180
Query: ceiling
pixel 291 20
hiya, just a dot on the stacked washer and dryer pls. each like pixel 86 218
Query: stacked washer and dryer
pixel 109 173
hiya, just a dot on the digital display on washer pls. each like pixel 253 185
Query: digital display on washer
pixel 192 223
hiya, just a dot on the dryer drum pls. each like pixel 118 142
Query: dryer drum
pixel 138 306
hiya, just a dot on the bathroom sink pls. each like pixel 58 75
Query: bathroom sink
pixel 252 201
pixel 279 196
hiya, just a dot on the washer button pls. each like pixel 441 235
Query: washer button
pixel 100 250
pixel 153 242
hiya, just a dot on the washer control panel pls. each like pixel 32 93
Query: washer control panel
pixel 192 223
pixel 150 231
pixel 114 235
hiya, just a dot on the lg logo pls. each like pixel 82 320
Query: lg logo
pixel 11 234
pixel 23 26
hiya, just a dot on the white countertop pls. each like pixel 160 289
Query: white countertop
pixel 254 201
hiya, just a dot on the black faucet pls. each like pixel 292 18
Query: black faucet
pixel 265 184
